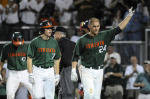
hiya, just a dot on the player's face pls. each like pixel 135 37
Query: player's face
pixel 94 27
pixel 48 32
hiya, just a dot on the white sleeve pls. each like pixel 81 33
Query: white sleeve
pixel 106 55
pixel 118 58
pixel 142 69
pixel 127 71
pixel 22 5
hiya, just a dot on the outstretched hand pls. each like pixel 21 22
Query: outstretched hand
pixel 131 11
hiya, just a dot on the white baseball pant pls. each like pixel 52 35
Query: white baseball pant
pixel 92 82
pixel 15 78
pixel 44 83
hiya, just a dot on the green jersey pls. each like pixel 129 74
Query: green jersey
pixel 15 56
pixel 43 52
pixel 145 79
pixel 3 89
pixel 91 50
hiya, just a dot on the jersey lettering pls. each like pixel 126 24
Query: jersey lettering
pixel 51 50
pixel 97 44
pixel 16 54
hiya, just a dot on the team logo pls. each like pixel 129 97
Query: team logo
pixel 23 59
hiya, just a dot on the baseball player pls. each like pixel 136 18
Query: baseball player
pixel 16 53
pixel 90 50
pixel 43 62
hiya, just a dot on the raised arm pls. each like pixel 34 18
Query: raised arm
pixel 124 23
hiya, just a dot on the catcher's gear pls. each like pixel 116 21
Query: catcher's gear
pixel 45 25
pixel 17 39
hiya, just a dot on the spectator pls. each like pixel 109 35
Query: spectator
pixel 65 15
pixel 111 6
pixel 131 73
pixel 134 29
pixel 116 20
pixel 48 10
pixel 28 11
pixel 110 52
pixel 113 80
pixel 3 84
pixel 40 5
pixel 86 9
pixel 1 14
pixel 12 19
pixel 143 81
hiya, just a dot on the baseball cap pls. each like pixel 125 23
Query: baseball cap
pixel 113 57
pixel 146 62
pixel 61 29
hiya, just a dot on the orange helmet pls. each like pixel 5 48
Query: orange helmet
pixel 45 25
pixel 17 39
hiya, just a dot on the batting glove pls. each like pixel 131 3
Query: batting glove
pixel 31 78
pixel 131 11
pixel 57 78
pixel 74 76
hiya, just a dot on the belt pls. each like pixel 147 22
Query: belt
pixel 95 67
pixel 145 93
pixel 44 67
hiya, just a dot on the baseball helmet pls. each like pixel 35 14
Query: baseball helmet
pixel 84 25
pixel 17 39
pixel 45 25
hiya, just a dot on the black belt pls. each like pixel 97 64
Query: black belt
pixel 45 67
pixel 95 67
pixel 145 93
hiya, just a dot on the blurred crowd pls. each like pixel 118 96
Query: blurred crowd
pixel 17 13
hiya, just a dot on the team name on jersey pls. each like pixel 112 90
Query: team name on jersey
pixel 16 54
pixel 96 44
pixel 51 50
